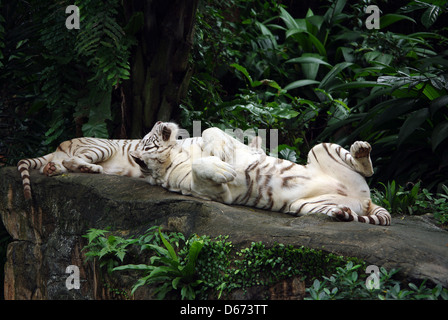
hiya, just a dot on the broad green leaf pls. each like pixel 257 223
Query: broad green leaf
pixel 439 134
pixel 193 254
pixel 243 71
pixel 438 103
pixel 331 75
pixel 168 246
pixel 430 15
pixel 319 46
pixel 359 84
pixel 310 64
pixel 265 31
pixel 288 154
pixel 284 111
pixel 308 59
pixel 316 21
pixel 413 122
pixel 290 22
pixel 431 92
pixel 175 282
pixel 390 18
pixel 141 267
pixel 300 83
pixel 392 109
pixel 334 10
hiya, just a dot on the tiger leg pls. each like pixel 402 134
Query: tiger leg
pixel 342 208
pixel 78 164
pixel 84 163
pixel 216 142
pixel 87 160
pixel 83 160
pixel 358 159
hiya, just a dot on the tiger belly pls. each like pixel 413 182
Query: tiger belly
pixel 269 183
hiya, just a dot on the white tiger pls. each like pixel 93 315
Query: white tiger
pixel 221 168
pixel 91 155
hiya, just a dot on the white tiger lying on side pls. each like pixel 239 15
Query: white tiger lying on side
pixel 90 155
pixel 221 168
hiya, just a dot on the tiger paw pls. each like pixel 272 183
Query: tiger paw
pixel 91 168
pixel 213 168
pixel 224 173
pixel 53 169
pixel 342 214
pixel 360 149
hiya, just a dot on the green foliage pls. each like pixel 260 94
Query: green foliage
pixel 200 267
pixel 259 265
pixel 58 83
pixel 325 77
pixel 346 283
pixel 416 200
pixel 168 270
pixel 109 250
pixel 204 268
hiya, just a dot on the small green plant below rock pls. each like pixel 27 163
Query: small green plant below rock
pixel 346 284
pixel 415 201
pixel 168 271
pixel 110 250
pixel 206 268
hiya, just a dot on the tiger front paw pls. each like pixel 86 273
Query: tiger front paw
pixel 224 173
pixel 212 168
pixel 53 169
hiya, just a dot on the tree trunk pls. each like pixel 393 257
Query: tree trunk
pixel 160 70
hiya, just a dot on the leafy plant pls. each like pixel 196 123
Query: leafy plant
pixel 55 82
pixel 325 77
pixel 110 250
pixel 204 268
pixel 346 283
pixel 168 271
pixel 432 10
pixel 223 269
pixel 417 200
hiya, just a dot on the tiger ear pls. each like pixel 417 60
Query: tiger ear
pixel 166 133
pixel 169 131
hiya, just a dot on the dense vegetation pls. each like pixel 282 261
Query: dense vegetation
pixel 203 268
pixel 316 73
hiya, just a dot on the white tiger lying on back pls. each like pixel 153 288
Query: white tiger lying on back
pixel 219 167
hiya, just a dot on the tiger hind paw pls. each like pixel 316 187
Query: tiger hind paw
pixel 342 214
pixel 360 149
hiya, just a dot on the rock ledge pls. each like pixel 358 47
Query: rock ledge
pixel 47 234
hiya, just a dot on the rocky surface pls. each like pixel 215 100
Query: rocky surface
pixel 47 233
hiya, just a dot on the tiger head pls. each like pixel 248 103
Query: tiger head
pixel 153 151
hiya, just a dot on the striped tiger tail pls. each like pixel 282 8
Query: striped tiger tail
pixel 25 165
